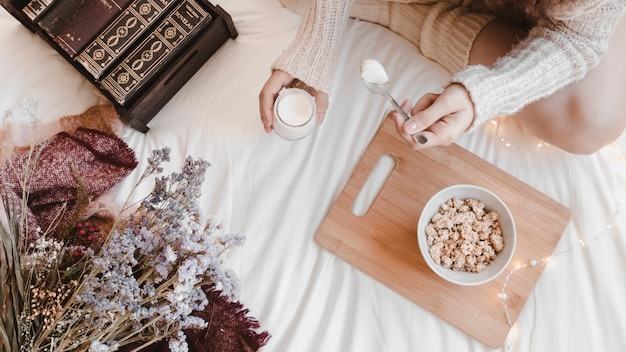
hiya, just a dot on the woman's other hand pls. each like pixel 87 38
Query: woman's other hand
pixel 442 118
pixel 277 81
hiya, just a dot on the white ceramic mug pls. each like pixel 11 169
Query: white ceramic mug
pixel 294 114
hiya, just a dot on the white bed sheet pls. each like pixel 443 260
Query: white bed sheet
pixel 277 192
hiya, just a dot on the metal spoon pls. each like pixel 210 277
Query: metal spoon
pixel 381 87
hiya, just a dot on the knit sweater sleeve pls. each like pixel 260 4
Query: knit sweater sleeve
pixel 312 56
pixel 555 54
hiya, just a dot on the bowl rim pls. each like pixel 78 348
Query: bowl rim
pixel 503 259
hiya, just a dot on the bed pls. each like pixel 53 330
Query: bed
pixel 277 192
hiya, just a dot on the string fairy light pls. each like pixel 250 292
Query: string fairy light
pixel 496 127
pixel 502 295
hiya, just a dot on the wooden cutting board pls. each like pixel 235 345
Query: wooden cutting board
pixel 383 244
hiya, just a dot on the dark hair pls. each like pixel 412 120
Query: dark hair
pixel 523 12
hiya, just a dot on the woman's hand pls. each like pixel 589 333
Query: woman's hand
pixel 277 81
pixel 442 117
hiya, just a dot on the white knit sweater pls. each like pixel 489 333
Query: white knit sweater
pixel 559 51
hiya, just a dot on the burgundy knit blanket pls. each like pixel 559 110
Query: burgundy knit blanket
pixel 92 159
pixel 230 329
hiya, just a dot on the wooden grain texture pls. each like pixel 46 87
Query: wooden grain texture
pixel 383 243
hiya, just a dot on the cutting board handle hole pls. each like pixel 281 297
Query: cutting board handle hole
pixel 373 185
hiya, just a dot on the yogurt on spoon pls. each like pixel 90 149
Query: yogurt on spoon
pixel 372 71
pixel 376 80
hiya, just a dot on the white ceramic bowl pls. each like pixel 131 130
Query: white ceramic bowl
pixel 492 203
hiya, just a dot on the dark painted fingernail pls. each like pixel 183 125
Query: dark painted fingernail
pixel 420 138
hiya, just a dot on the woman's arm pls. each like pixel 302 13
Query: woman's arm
pixel 312 55
pixel 310 58
pixel 555 54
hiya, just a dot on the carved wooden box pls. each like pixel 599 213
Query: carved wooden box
pixel 138 53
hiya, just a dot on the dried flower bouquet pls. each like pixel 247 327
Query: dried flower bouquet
pixel 125 284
